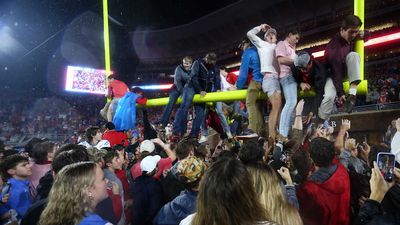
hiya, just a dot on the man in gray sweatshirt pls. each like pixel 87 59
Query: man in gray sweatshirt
pixel 181 76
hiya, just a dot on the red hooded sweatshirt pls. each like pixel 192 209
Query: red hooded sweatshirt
pixel 327 202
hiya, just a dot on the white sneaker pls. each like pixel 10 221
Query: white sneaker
pixel 229 134
pixel 203 139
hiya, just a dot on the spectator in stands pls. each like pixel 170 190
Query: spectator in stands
pixel 116 90
pixel 238 204
pixel 340 59
pixel 250 76
pixel 76 191
pixel 269 69
pixel 190 171
pixel 115 137
pixel 93 136
pixel 43 155
pixel 285 53
pixel 204 77
pixel 268 187
pixel 181 77
pixel 146 192
pixel 16 169
pixel 312 74
pixel 325 196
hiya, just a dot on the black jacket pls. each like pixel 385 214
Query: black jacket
pixel 148 199
pixel 316 79
pixel 203 78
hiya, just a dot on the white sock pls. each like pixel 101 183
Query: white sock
pixel 353 91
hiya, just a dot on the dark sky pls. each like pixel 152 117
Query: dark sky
pixel 39 38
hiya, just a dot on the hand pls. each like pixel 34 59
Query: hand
pixel 284 172
pixel 364 153
pixel 128 203
pixel 350 144
pixel 379 186
pixel 203 93
pixel 305 86
pixel 361 34
pixel 265 27
pixel 115 188
pixel 232 88
pixel 299 107
pixel 308 119
pixel 398 124
pixel 5 198
pixel 345 125
pixel 321 132
pixel 342 99
pixel 165 173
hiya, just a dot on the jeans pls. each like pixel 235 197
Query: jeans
pixel 289 87
pixel 221 116
pixel 326 107
pixel 173 96
pixel 180 122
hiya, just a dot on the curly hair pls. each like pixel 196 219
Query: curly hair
pixel 68 201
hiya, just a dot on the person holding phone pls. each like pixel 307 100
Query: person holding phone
pixel 372 211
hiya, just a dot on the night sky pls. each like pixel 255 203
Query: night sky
pixel 38 39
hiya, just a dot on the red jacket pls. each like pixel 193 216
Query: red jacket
pixel 116 138
pixel 326 203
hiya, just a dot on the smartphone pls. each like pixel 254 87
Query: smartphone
pixel 6 189
pixel 386 163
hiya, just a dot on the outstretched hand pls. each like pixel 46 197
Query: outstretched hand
pixel 299 107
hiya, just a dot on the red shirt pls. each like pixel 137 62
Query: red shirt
pixel 231 78
pixel 117 88
pixel 116 138
pixel 163 164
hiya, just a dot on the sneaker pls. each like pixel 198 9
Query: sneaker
pixel 248 134
pixel 202 139
pixel 350 103
pixel 229 134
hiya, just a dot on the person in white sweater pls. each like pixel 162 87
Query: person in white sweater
pixel 269 68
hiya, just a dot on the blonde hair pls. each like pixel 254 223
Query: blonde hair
pixel 68 203
pixel 271 196
pixel 226 196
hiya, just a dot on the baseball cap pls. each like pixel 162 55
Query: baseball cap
pixel 147 146
pixel 191 169
pixel 149 163
pixel 302 59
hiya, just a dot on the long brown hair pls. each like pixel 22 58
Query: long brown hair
pixel 227 197
pixel 68 201
pixel 271 196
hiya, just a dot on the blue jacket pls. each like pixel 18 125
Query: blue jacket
pixel 93 219
pixel 125 115
pixel 181 76
pixel 20 198
pixel 250 64
pixel 178 209
pixel 203 78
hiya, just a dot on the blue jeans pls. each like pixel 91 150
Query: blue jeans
pixel 221 116
pixel 173 96
pixel 289 87
pixel 180 122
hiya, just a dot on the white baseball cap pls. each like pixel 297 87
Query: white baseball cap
pixel 147 146
pixel 149 163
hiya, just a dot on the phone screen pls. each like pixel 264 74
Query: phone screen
pixel 386 163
